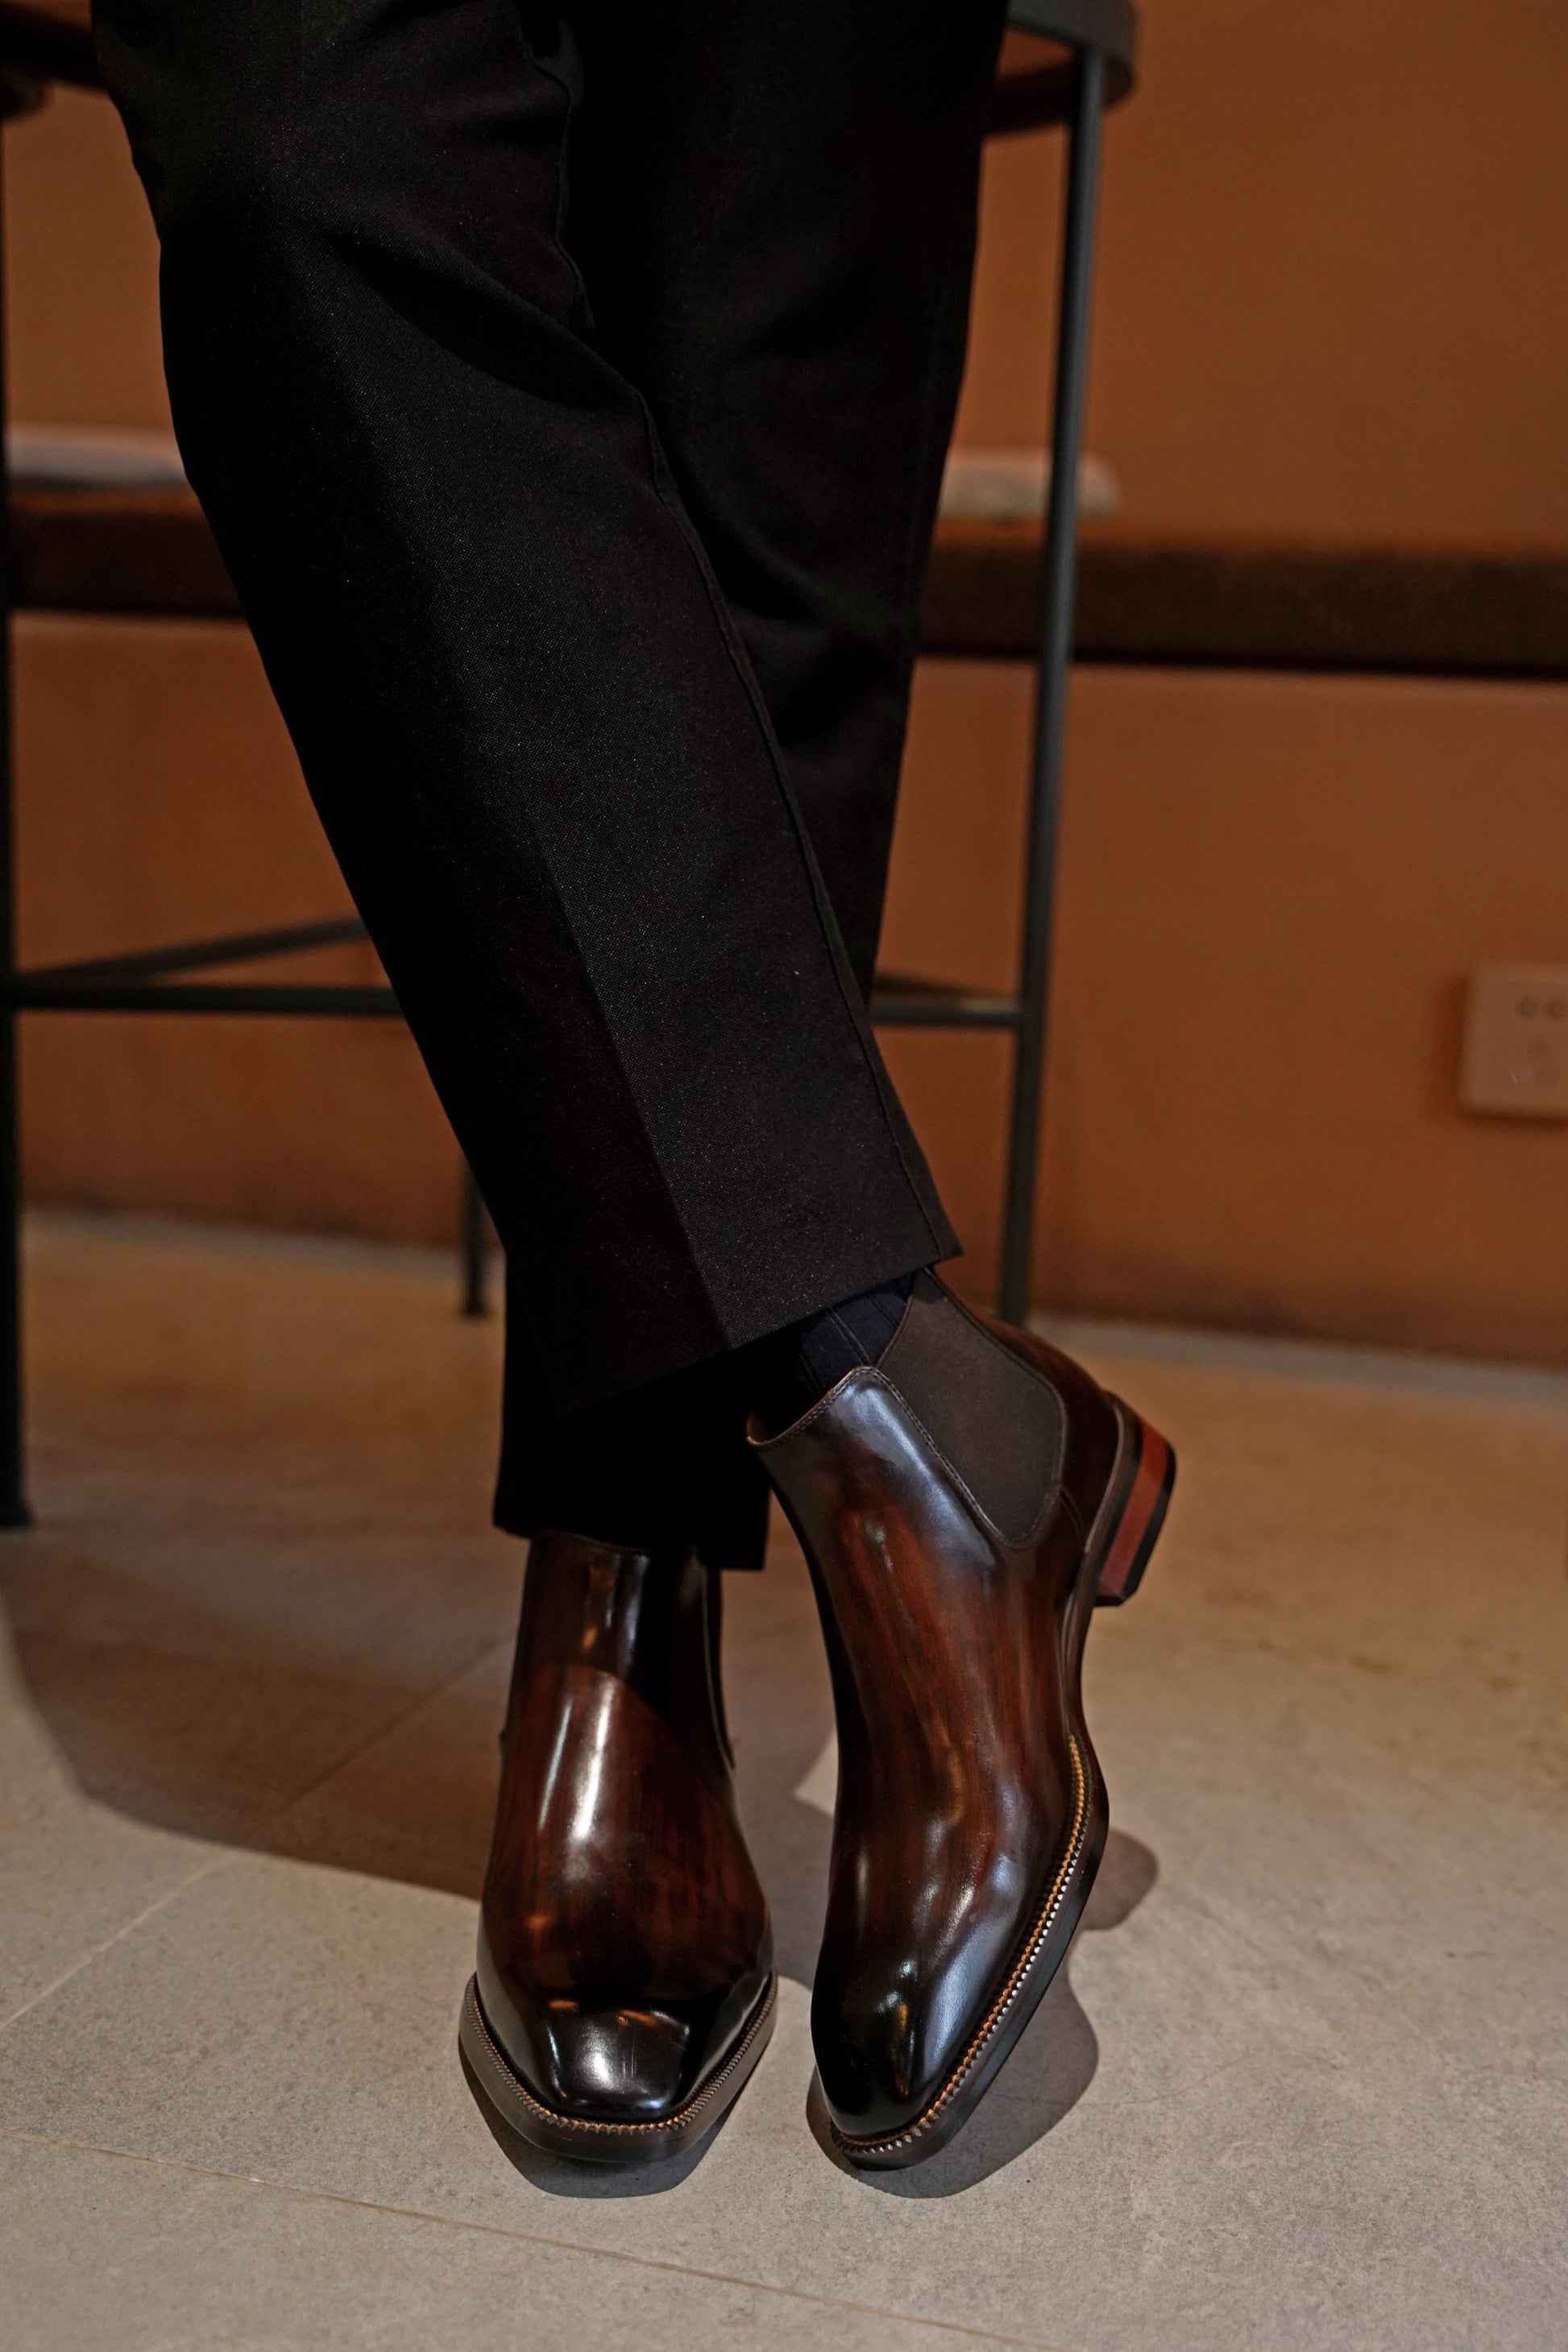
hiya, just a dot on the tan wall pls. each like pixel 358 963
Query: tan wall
pixel 1271 890
pixel 1330 299
pixel 1331 295
pixel 81 266
pixel 158 798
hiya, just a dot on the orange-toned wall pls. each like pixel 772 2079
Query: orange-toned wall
pixel 1331 295
pixel 1330 300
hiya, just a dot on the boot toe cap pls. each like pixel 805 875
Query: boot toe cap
pixel 596 2061
pixel 882 2060
pixel 614 2065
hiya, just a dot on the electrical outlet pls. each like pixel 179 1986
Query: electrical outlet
pixel 1516 1040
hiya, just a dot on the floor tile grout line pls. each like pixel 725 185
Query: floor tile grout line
pixel 525 2238
pixel 260 1830
pixel 220 1861
pixel 356 1755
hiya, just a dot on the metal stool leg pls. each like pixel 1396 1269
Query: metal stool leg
pixel 14 1511
pixel 1056 653
pixel 474 1247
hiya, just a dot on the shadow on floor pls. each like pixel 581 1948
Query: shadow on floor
pixel 334 1696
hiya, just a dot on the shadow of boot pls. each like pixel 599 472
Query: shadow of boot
pixel 780 1706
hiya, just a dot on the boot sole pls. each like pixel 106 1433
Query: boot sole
pixel 1126 1528
pixel 492 2076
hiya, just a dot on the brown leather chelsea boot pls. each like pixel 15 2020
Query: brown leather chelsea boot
pixel 963 1505
pixel 625 1988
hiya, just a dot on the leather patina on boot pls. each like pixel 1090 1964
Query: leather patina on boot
pixel 963 1504
pixel 625 1986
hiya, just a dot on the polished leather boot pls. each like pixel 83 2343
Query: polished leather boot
pixel 963 1504
pixel 625 1988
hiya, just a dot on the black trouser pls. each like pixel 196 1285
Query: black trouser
pixel 569 395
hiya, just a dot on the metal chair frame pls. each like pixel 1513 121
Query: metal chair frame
pixel 1102 36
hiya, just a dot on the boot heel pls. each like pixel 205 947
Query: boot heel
pixel 1146 1471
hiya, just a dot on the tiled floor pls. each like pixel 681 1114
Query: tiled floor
pixel 1304 2083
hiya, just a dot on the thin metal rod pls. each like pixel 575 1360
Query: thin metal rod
pixel 323 1003
pixel 1050 715
pixel 14 1511
pixel 77 988
pixel 900 999
pixel 199 955
pixel 476 1247
pixel 932 1012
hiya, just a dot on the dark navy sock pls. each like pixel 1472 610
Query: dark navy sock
pixel 794 1369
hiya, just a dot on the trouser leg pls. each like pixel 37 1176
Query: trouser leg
pixel 525 716
pixel 773 212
